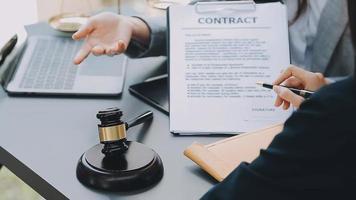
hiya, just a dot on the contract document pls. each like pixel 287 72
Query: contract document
pixel 217 53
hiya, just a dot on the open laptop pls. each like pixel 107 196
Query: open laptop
pixel 45 66
pixel 40 187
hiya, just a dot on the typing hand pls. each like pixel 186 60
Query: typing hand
pixel 110 34
pixel 297 78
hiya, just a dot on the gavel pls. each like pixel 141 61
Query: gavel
pixel 112 130
pixel 116 164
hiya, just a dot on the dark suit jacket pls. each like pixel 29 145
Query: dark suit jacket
pixel 313 158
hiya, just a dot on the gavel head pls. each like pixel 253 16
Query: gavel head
pixel 110 117
pixel 112 131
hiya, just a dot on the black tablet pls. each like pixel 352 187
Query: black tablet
pixel 154 92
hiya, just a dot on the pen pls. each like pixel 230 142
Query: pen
pixel 8 47
pixel 156 77
pixel 303 93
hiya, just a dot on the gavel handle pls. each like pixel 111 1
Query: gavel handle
pixel 140 119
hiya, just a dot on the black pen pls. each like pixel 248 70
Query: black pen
pixel 302 93
pixel 8 47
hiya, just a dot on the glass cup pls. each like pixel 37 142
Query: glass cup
pixel 164 4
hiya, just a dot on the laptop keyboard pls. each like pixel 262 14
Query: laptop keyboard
pixel 51 65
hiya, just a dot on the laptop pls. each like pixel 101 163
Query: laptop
pixel 45 66
pixel 33 184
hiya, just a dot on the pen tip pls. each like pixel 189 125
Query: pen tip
pixel 259 83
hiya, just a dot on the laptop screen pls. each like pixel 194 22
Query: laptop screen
pixel 12 187
pixel 17 181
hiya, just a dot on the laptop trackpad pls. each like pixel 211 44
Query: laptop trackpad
pixel 102 66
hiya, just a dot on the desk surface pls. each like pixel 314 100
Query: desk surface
pixel 50 134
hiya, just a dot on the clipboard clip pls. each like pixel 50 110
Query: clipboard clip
pixel 229 6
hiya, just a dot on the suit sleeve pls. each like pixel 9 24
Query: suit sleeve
pixel 158 38
pixel 309 157
pixel 157 45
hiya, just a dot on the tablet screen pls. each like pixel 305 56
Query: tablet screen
pixel 153 92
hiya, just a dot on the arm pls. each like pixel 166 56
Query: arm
pixel 111 34
pixel 156 45
pixel 312 156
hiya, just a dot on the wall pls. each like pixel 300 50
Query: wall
pixel 49 8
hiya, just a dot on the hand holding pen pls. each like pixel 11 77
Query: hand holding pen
pixel 295 77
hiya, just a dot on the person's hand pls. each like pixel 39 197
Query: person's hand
pixel 297 78
pixel 110 34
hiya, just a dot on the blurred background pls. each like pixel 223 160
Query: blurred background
pixel 17 13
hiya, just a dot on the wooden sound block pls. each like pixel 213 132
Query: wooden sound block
pixel 137 168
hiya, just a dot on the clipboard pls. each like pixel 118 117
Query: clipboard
pixel 210 8
pixel 224 6
pixel 220 158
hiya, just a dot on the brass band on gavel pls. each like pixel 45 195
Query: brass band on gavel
pixel 112 133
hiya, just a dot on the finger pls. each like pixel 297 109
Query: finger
pixel 124 39
pixel 121 45
pixel 114 50
pixel 98 50
pixel 293 82
pixel 288 95
pixel 118 48
pixel 82 53
pixel 108 51
pixel 286 105
pixel 278 101
pixel 83 31
pixel 297 72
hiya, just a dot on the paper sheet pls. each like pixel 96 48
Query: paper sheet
pixel 215 60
